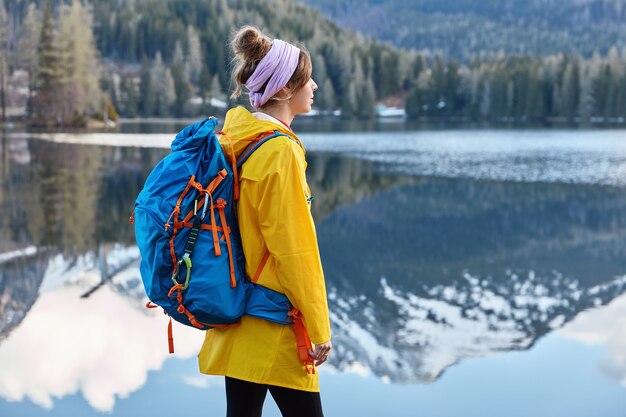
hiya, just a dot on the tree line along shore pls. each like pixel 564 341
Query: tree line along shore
pixel 66 62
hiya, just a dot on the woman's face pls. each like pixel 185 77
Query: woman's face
pixel 302 99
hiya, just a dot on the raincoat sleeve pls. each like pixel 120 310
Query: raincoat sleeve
pixel 289 233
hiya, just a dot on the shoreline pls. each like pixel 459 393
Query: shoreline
pixel 320 123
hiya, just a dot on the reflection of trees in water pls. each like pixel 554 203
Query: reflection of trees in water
pixel 21 220
pixel 123 177
pixel 70 187
pixel 431 231
pixel 4 174
pixel 335 180
pixel 72 197
pixel 75 197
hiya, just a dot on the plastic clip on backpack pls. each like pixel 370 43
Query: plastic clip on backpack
pixel 192 262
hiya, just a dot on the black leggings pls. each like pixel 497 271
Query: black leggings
pixel 245 399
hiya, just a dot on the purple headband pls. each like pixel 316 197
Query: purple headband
pixel 277 66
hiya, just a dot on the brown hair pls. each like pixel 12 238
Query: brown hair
pixel 249 45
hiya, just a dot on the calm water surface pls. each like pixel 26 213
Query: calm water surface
pixel 470 272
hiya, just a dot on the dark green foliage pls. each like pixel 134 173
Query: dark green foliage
pixel 353 73
pixel 465 28
pixel 128 31
pixel 146 91
pixel 522 89
pixel 183 91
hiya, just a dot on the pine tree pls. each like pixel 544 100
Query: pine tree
pixel 586 94
pixel 365 93
pixel 4 67
pixel 182 89
pixel 112 84
pixel 499 89
pixel 367 100
pixel 349 101
pixel 213 91
pixel 27 46
pixel 390 79
pixel 146 90
pixel 485 99
pixel 427 97
pixel 452 88
pixel 131 104
pixel 610 97
pixel 622 98
pixel 80 61
pixel 601 87
pixel 48 77
pixel 474 84
pixel 216 88
pixel 204 84
pixel 180 74
pixel 325 96
pixel 163 86
pixel 571 90
pixel 413 103
pixel 532 91
pixel 439 83
pixel 178 58
pixel 194 61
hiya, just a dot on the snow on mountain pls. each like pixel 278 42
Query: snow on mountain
pixel 448 324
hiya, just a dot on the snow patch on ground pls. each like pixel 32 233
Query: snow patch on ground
pixel 7 256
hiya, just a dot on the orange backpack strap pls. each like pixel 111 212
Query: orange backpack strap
pixel 221 203
pixel 181 309
pixel 233 162
pixel 170 336
pixel 257 274
pixel 303 341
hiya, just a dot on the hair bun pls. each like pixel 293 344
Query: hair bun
pixel 250 44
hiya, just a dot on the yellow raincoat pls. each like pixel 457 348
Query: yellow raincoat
pixel 274 214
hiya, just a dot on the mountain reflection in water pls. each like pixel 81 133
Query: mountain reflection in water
pixel 422 272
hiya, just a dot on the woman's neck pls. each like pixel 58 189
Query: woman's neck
pixel 281 113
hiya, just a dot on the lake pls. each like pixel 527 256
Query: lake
pixel 474 272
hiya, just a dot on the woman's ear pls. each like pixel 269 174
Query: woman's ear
pixel 283 93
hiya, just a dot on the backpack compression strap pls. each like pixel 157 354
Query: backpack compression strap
pixel 256 144
pixel 302 340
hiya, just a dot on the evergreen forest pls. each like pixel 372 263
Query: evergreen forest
pixel 465 28
pixel 169 58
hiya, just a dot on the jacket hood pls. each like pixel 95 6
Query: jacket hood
pixel 241 128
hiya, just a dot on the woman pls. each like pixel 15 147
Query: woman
pixel 274 217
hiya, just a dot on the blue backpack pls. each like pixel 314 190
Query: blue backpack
pixel 192 262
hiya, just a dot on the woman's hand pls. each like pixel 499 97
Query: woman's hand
pixel 321 352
